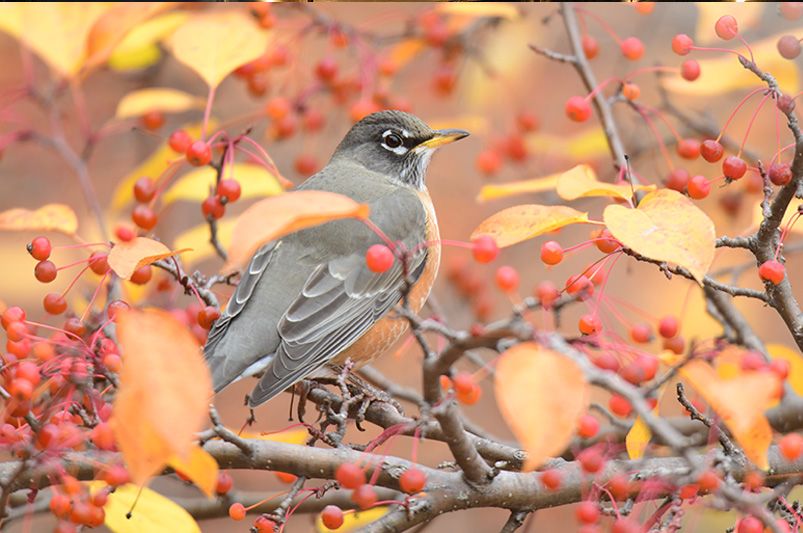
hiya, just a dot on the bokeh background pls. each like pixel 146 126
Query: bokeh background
pixel 496 82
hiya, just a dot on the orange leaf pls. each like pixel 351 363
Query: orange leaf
pixel 214 44
pixel 126 257
pixel 50 217
pixel 541 395
pixel 503 190
pixel 199 466
pixel 519 223
pixel 666 226
pixel 275 217
pixel 290 436
pixel 740 401
pixel 581 181
pixel 164 391
pixel 404 51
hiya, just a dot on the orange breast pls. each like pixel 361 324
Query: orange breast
pixel 387 330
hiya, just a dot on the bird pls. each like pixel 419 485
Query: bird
pixel 308 301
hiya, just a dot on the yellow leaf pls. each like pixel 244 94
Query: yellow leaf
pixel 57 32
pixel 255 182
pixel 740 402
pixel 139 48
pixel 666 226
pixel 164 391
pixel 588 144
pixel 503 190
pixel 791 210
pixel 197 239
pixel 290 436
pixel 795 360
pixel 275 217
pixel 354 521
pixel 478 10
pixel 723 74
pixel 200 467
pixel 541 395
pixel 50 217
pixel 637 439
pixel 214 44
pixel 519 223
pixel 152 167
pixel 126 257
pixel 404 52
pixel 164 99
pixel 152 512
pixel 747 13
pixel 581 182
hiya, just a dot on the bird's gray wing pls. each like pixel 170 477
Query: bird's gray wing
pixel 342 298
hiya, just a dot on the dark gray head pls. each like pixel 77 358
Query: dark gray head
pixel 396 144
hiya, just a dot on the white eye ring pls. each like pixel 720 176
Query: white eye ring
pixel 393 142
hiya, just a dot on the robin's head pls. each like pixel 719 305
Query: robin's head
pixel 396 144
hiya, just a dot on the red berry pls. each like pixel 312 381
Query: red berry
pixel 605 241
pixel 40 248
pixel 489 162
pixel 379 258
pixel 507 278
pixel 781 368
pixel 791 10
pixel 12 314
pixel 789 47
pixel 444 80
pixel 213 208
pixel 688 148
pixel 726 27
pixel 364 496
pixel 179 141
pixel 668 327
pixel 28 370
pixel 619 406
pixel 412 481
pixel 551 253
pixel 590 47
pixel 98 263
pixel 579 285
pixel 207 316
pixel 21 389
pixel 313 120
pixel 791 446
pixel 587 512
pixel 632 48
pixel 734 167
pixel 277 108
pixel 124 233
pixel 350 476
pixel 690 70
pixel 102 436
pixel 547 293
pixel 229 189
pixel 578 109
pixel 709 481
pixel 551 479
pixel 626 525
pixel 484 249
pixel 263 524
pixel 588 426
pixel 332 517
pixel 780 173
pixel 144 217
pixel 676 344
pixel 142 275
pixel 153 120
pixel 589 324
pixel 591 460
pixel 711 150
pixel 772 271
pixel 115 307
pixel 699 187
pixel 45 271
pixel 470 397
pixel 526 121
pixel 677 180
pixel 199 154
pixel 681 44
pixel 306 164
pixel 55 304
pixel 749 524
pixel 631 91
pixel 326 69
pixel 144 190
pixel 116 475
pixel 641 333
pixel 16 331
pixel 237 511
pixel 59 504
pixel 224 483
pixel 785 104
pixel 362 109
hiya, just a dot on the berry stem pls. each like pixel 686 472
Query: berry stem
pixel 750 124
pixel 747 45
pixel 207 111
pixel 657 135
pixel 604 25
pixel 76 278
pixel 379 233
pixel 94 296
pixel 736 110
pixel 714 49
pixel 70 265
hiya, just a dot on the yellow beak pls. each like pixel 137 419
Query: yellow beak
pixel 442 137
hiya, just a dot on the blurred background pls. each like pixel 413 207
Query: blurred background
pixel 484 86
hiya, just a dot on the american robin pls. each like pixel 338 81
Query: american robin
pixel 309 300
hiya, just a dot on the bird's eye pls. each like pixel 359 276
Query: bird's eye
pixel 393 140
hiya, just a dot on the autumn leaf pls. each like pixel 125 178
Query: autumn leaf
pixel 200 467
pixel 541 395
pixel 255 182
pixel 522 222
pixel 724 74
pixel 478 10
pixel 355 521
pixel 405 51
pixel 164 391
pixel 197 239
pixel 164 99
pixel 150 511
pixel 791 210
pixel 214 44
pixel 50 217
pixel 740 402
pixel 126 257
pixel 795 360
pixel 140 47
pixel 275 217
pixel 513 188
pixel 666 226
pixel 588 144
pixel 581 181
pixel 637 439
pixel 290 436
